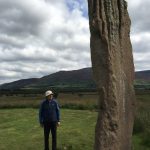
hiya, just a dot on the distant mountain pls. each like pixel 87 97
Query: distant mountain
pixel 63 79
pixel 18 84
pixel 143 75
pixel 67 79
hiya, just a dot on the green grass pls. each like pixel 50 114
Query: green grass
pixel 20 130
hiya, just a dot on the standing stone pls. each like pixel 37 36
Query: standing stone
pixel 113 69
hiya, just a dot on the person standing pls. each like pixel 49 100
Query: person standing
pixel 49 118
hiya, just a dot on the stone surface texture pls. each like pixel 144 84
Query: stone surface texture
pixel 113 70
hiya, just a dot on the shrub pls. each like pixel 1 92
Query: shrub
pixel 138 126
pixel 146 139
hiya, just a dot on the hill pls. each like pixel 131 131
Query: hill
pixel 63 79
pixel 143 75
pixel 81 79
pixel 19 83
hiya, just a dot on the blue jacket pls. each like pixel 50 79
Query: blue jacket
pixel 49 111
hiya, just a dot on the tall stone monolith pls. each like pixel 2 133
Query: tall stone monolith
pixel 113 69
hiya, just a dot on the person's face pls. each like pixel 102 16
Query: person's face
pixel 49 97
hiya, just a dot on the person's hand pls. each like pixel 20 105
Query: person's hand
pixel 41 124
pixel 58 124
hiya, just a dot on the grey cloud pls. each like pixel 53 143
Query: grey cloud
pixel 76 47
pixel 142 46
pixel 140 16
pixel 17 19
pixel 64 38
pixel 8 42
pixel 140 31
pixel 35 41
pixel 20 70
pixel 141 63
pixel 6 80
pixel 4 77
pixel 17 55
pixel 32 43
pixel 28 59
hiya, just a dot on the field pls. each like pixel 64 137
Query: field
pixel 19 128
pixel 71 100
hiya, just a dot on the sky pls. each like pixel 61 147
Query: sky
pixel 40 37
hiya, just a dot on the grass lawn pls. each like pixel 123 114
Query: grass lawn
pixel 20 130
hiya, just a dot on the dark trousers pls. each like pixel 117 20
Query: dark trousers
pixel 50 126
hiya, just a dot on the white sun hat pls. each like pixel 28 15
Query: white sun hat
pixel 47 93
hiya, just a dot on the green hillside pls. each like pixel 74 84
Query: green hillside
pixel 71 80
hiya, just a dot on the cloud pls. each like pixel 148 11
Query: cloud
pixel 141 42
pixel 140 32
pixel 40 37
pixel 139 14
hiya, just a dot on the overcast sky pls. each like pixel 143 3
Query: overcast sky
pixel 39 37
